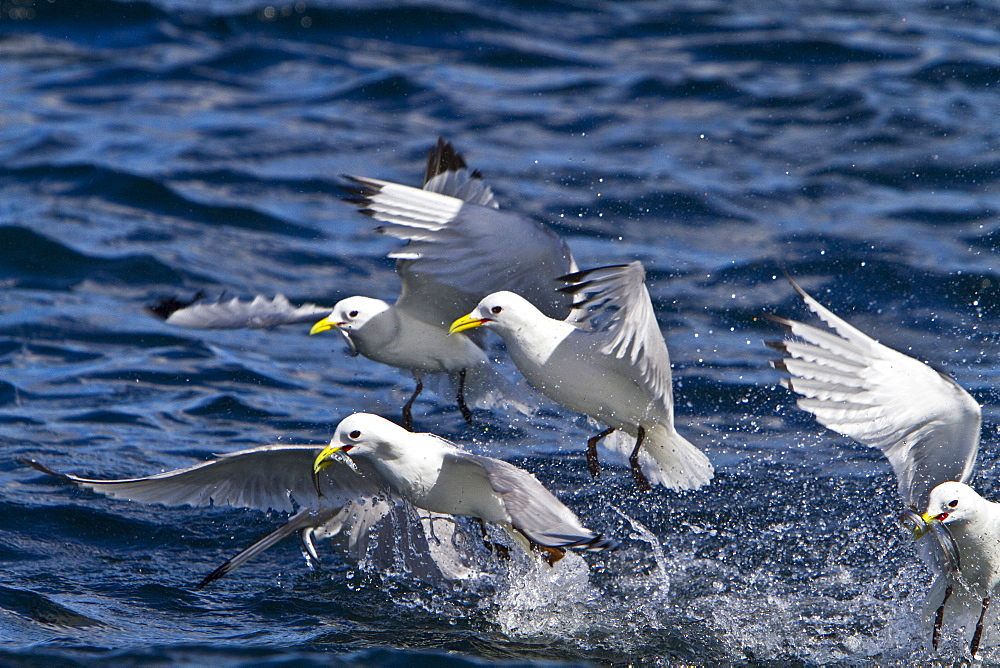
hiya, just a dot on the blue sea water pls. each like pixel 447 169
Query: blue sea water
pixel 151 149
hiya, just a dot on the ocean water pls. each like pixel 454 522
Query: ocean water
pixel 162 148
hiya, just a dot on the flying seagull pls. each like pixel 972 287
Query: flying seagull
pixel 924 423
pixel 434 474
pixel 459 248
pixel 331 493
pixel 610 363
pixel 279 478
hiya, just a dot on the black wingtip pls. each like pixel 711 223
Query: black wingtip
pixel 595 544
pixel 442 158
pixel 38 466
pixel 359 186
pixel 358 194
pixel 166 307
pixel 600 543
pixel 795 286
pixel 219 572
pixel 784 323
pixel 575 287
pixel 576 276
pixel 777 345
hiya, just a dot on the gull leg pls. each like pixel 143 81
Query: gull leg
pixel 939 619
pixel 978 635
pixel 466 413
pixel 550 555
pixel 498 550
pixel 407 415
pixel 633 459
pixel 592 463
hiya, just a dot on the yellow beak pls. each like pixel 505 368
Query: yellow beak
pixel 324 325
pixel 928 519
pixel 328 455
pixel 466 322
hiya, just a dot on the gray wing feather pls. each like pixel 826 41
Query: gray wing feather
pixel 476 250
pixel 925 424
pixel 307 518
pixel 617 303
pixel 533 509
pixel 258 313
pixel 267 478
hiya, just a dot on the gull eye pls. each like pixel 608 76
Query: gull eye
pixel 355 434
pixel 496 309
pixel 352 314
pixel 953 504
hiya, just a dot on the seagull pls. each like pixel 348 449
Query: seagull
pixel 924 423
pixel 974 524
pixel 611 363
pixel 392 489
pixel 437 476
pixel 458 250
pixel 348 501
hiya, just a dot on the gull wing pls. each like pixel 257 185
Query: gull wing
pixel 257 313
pixel 274 477
pixel 280 478
pixel 534 510
pixel 331 519
pixel 925 424
pixel 458 252
pixel 448 174
pixel 616 303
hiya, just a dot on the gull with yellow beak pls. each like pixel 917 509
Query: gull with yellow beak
pixel 973 524
pixel 437 476
pixel 611 363
pixel 924 423
pixel 349 501
pixel 459 248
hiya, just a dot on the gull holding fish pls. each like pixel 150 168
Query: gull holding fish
pixel 345 502
pixel 925 424
pixel 434 474
pixel 421 480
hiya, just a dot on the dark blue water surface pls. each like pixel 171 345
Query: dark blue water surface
pixel 160 148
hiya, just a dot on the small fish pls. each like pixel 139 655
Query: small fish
pixel 918 526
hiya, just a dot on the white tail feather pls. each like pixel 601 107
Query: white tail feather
pixel 667 458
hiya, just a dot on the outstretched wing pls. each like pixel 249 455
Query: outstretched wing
pixel 925 424
pixel 257 313
pixel 534 510
pixel 280 478
pixel 274 477
pixel 464 250
pixel 616 302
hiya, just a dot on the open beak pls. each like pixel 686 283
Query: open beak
pixel 333 453
pixel 327 456
pixel 467 322
pixel 327 324
pixel 324 325
pixel 919 524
